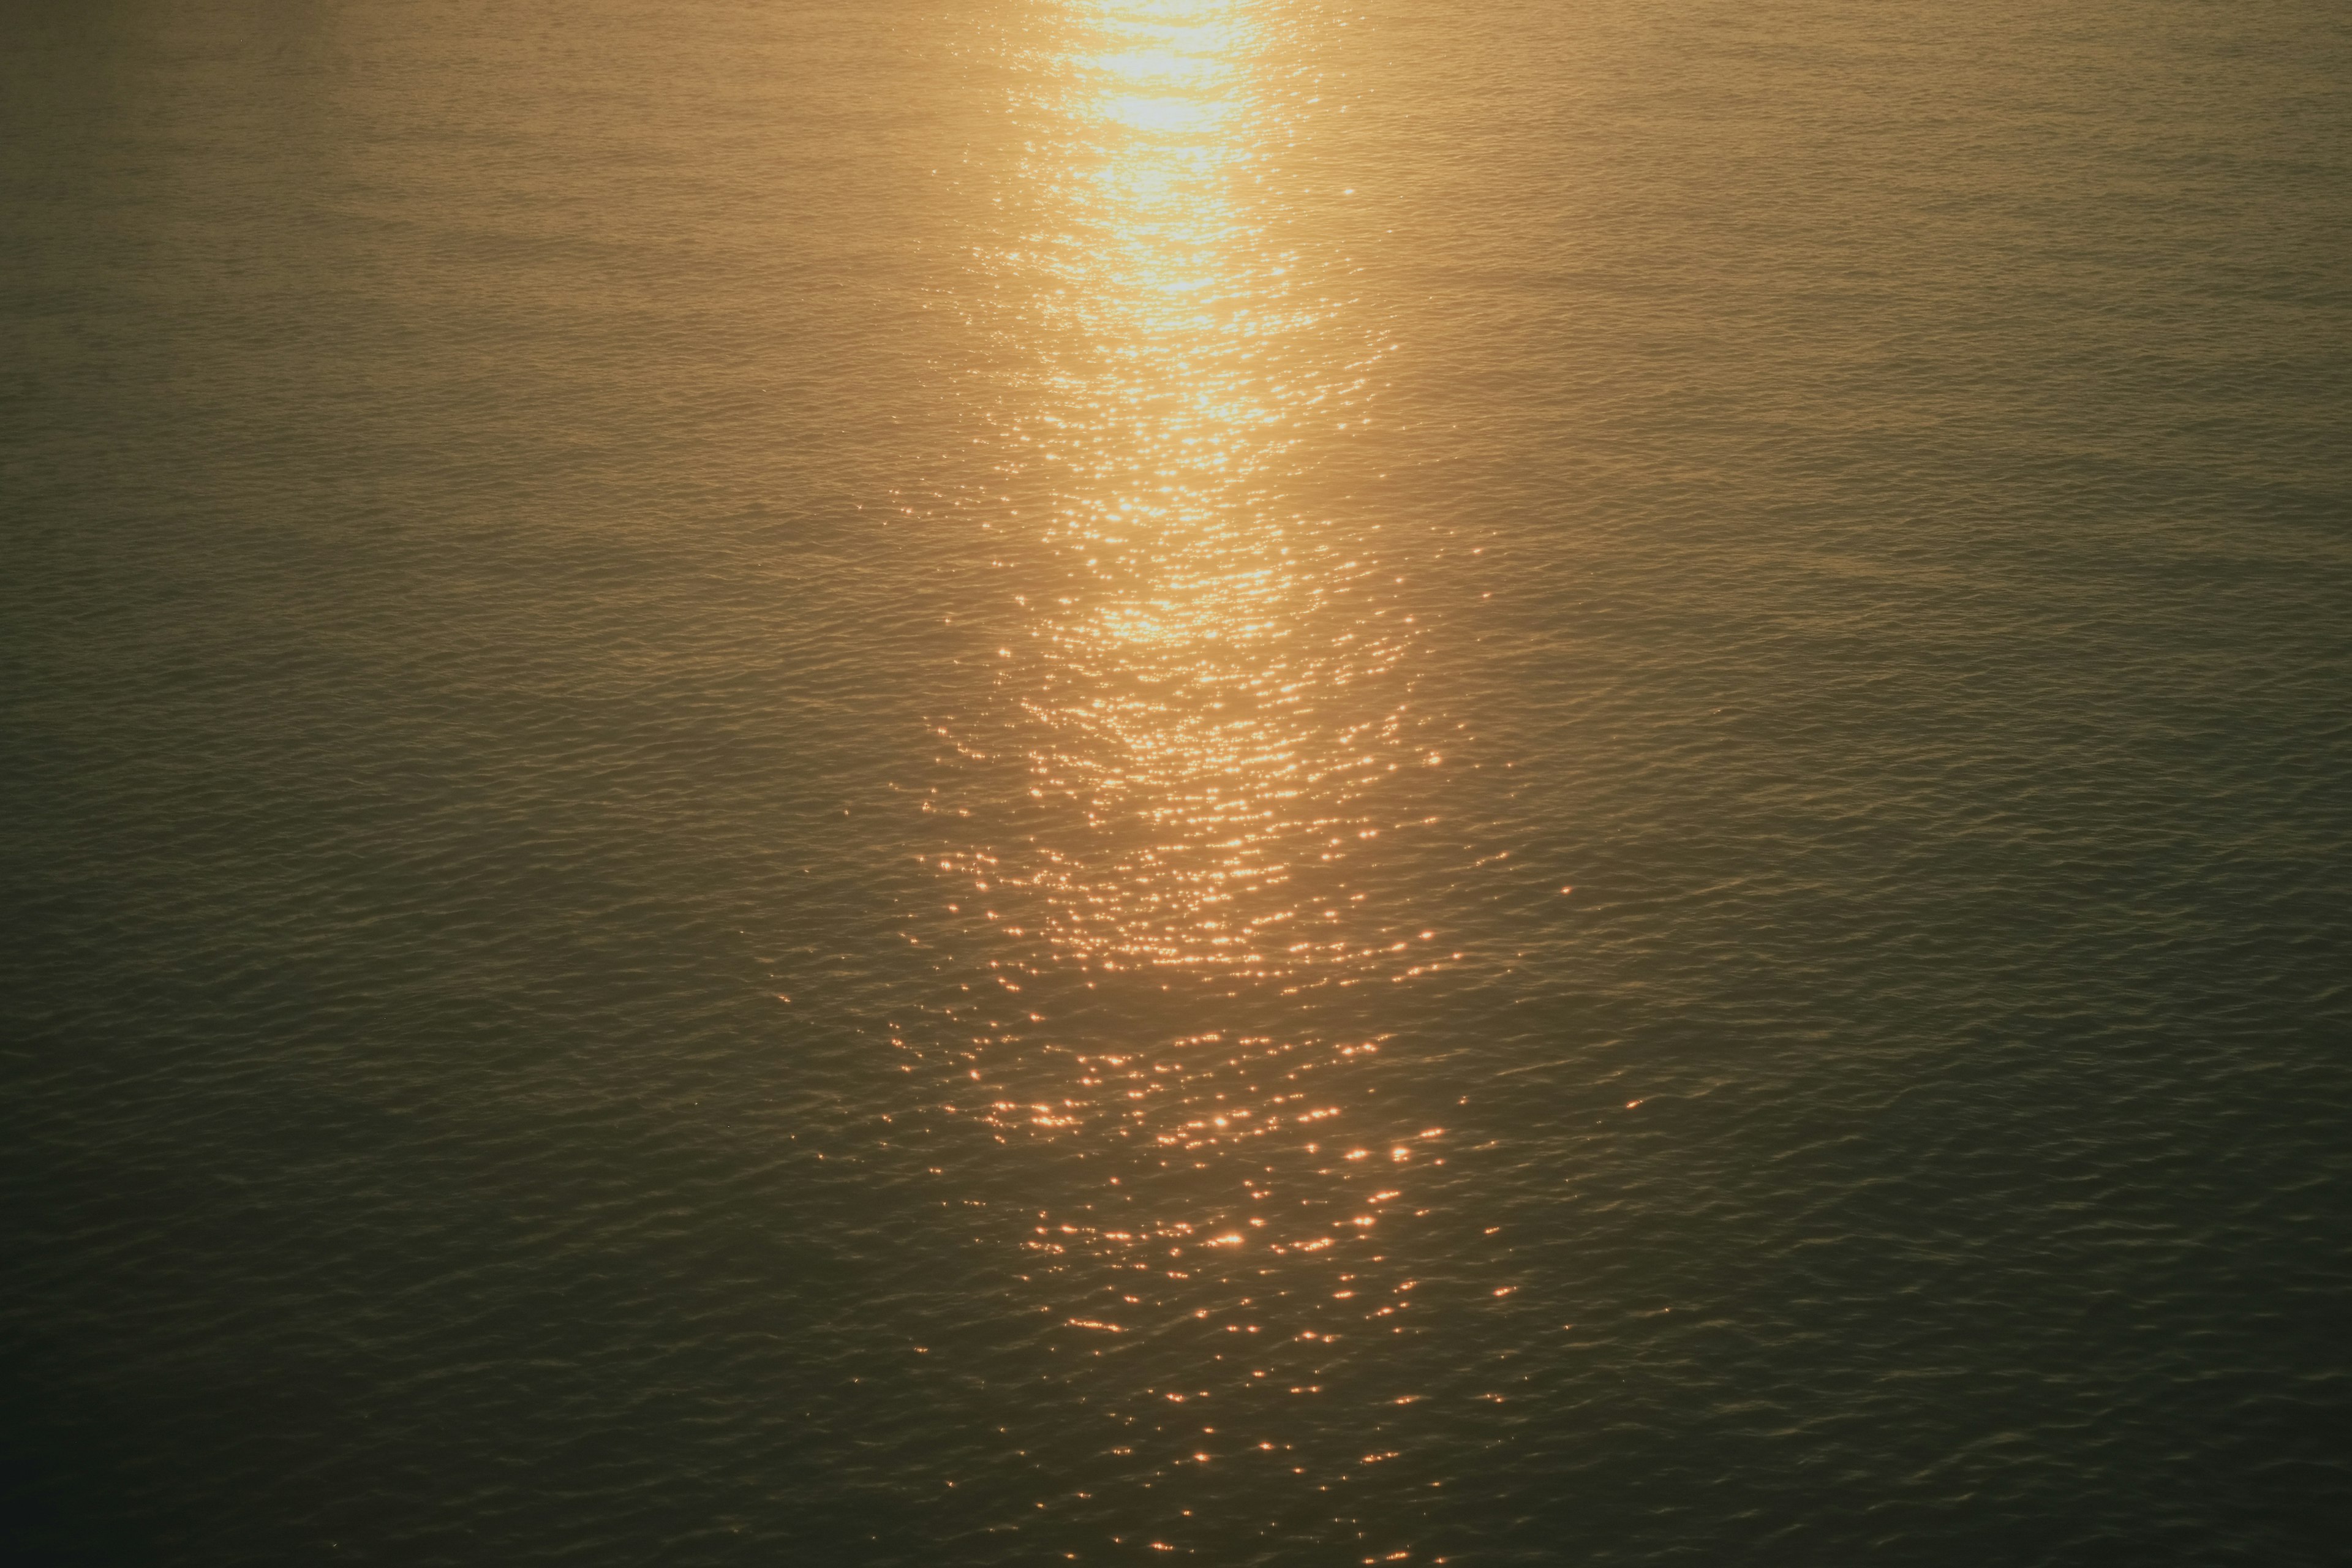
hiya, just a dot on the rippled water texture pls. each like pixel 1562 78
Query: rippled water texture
pixel 1112 780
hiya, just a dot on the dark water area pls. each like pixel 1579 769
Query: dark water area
pixel 1101 781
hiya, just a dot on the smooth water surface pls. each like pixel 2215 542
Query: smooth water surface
pixel 1023 781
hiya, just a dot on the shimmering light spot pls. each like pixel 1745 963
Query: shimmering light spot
pixel 1199 755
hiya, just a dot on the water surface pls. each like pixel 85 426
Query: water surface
pixel 1114 780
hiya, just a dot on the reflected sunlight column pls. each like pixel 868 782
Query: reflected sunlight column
pixel 1178 843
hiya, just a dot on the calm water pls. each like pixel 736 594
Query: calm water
pixel 1003 782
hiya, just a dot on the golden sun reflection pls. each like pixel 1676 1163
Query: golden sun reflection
pixel 1176 816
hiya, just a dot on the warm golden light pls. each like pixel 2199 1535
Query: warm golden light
pixel 1187 796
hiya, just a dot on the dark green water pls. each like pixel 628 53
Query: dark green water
pixel 797 785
